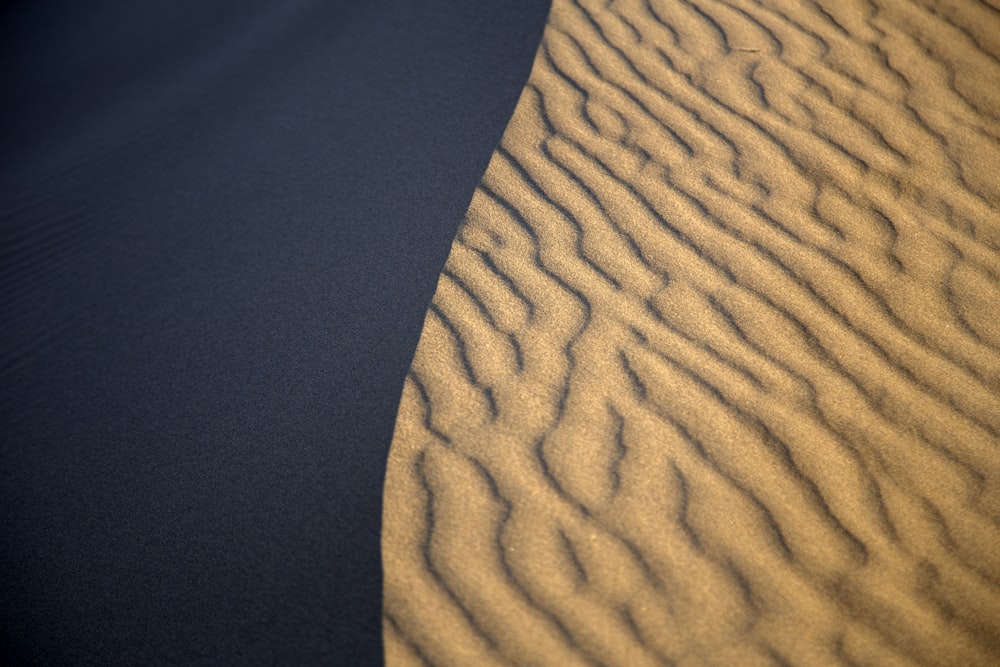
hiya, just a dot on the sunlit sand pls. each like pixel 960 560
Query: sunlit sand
pixel 712 374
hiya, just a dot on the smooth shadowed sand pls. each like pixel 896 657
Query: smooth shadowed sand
pixel 712 375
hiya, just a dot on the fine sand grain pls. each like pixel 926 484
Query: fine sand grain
pixel 712 374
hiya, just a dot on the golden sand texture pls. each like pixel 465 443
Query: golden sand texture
pixel 712 374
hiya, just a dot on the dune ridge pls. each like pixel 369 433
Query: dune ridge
pixel 712 373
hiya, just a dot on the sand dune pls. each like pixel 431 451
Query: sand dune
pixel 712 374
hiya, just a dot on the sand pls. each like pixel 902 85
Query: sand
pixel 712 373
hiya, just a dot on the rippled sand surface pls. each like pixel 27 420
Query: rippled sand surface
pixel 712 374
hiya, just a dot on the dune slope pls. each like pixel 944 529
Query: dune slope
pixel 712 374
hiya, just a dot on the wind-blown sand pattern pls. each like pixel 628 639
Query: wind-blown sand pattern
pixel 712 374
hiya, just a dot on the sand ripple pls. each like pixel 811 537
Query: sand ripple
pixel 712 375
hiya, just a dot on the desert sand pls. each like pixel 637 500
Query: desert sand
pixel 712 374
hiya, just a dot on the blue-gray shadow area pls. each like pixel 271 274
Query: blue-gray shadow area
pixel 221 224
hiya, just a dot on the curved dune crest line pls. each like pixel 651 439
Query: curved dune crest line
pixel 712 374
